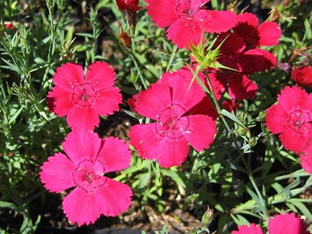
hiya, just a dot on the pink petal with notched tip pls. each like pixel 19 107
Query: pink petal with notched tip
pixel 113 198
pixel 292 140
pixel 150 145
pixel 81 207
pixel 276 118
pixel 251 229
pixel 56 173
pixel 162 12
pixel 107 101
pixel 61 104
pixel 185 32
pixel 200 132
pixel 101 75
pixel 216 21
pixel 67 75
pixel 288 102
pixel 151 101
pixel 114 154
pixel 269 33
pixel 81 144
pixel 287 223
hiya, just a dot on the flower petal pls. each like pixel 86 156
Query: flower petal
pixel 276 119
pixel 162 12
pixel 306 158
pixel 292 140
pixel 269 33
pixel 67 75
pixel 150 102
pixel 101 75
pixel 252 229
pixel 242 88
pixel 150 145
pixel 56 173
pixel 287 100
pixel 216 21
pixel 62 104
pixel 185 32
pixel 201 131
pixel 108 101
pixel 113 198
pixel 287 223
pixel 81 207
pixel 114 154
pixel 81 144
pixel 85 118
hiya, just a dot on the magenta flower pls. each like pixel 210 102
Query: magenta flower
pixel 167 103
pixel 251 229
pixel 291 117
pixel 81 99
pixel 88 159
pixel 187 19
pixel 286 223
pixel 266 34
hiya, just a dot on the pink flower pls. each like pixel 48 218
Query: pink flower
pixel 167 102
pixel 302 75
pixel 81 99
pixel 187 19
pixel 128 5
pixel 88 158
pixel 252 229
pixel 286 223
pixel 291 118
pixel 266 34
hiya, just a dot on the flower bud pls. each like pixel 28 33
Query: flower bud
pixel 128 5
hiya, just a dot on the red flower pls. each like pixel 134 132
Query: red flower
pixel 291 118
pixel 245 62
pixel 84 99
pixel 9 26
pixel 286 223
pixel 266 34
pixel 88 158
pixel 302 75
pixel 128 5
pixel 187 20
pixel 167 102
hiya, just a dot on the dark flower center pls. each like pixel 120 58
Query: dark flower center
pixel 300 121
pixel 88 175
pixel 170 123
pixel 83 95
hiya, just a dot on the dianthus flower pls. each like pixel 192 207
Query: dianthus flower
pixel 81 99
pixel 187 19
pixel 291 118
pixel 286 223
pixel 167 103
pixel 302 75
pixel 266 34
pixel 88 158
pixel 128 5
pixel 244 62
